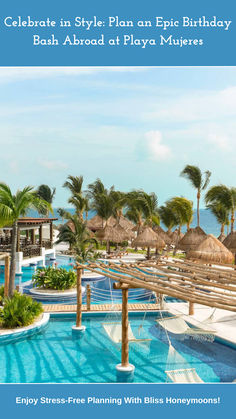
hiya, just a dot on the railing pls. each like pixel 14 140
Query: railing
pixel 47 244
pixel 29 252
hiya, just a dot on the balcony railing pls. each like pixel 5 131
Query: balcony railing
pixel 31 251
pixel 47 244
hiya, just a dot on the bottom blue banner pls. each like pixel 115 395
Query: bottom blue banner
pixel 88 400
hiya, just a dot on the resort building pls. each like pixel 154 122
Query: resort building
pixel 34 241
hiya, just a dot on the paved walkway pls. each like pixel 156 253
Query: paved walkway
pixel 59 308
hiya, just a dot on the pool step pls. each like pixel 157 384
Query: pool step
pixel 59 308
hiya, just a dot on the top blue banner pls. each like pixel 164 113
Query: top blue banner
pixel 124 33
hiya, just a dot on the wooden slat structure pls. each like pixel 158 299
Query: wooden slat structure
pixel 203 284
pixel 207 285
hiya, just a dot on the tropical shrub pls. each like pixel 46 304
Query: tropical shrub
pixel 54 278
pixel 18 311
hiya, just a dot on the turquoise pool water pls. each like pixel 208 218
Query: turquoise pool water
pixel 54 356
pixel 101 290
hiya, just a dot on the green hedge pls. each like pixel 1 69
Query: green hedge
pixel 54 278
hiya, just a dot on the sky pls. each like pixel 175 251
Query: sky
pixel 133 127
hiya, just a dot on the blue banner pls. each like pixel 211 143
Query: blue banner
pixel 118 400
pixel 124 33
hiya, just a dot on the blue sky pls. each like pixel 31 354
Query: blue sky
pixel 132 127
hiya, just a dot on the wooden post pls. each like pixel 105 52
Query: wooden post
pixel 191 308
pixel 88 297
pixel 125 325
pixel 79 298
pixel 40 235
pixel 33 236
pixel 161 301
pixel 51 233
pixel 6 276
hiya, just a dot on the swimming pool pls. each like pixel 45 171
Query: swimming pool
pixel 102 291
pixel 55 356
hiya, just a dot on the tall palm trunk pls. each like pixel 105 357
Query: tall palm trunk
pixel 13 259
pixel 198 210
pixel 232 220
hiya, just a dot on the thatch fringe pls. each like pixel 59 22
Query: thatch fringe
pixel 211 250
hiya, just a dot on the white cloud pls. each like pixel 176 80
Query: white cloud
pixel 53 164
pixel 12 74
pixel 157 150
pixel 220 141
pixel 195 106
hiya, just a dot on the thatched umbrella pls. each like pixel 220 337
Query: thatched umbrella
pixel 211 250
pixel 175 236
pixel 96 223
pixel 115 234
pixel 191 239
pixel 122 221
pixel 148 238
pixel 162 234
pixel 230 242
pixel 221 237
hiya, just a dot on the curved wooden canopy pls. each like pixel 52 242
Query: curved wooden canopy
pixel 201 284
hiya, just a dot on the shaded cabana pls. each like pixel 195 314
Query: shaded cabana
pixel 97 223
pixel 162 234
pixel 115 234
pixel 211 250
pixel 230 242
pixel 191 239
pixel 148 238
pixel 175 236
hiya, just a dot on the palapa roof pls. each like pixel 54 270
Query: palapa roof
pixel 211 250
pixel 95 223
pixel 230 242
pixel 123 222
pixel 162 234
pixel 191 239
pixel 116 234
pixel 148 238
pixel 175 236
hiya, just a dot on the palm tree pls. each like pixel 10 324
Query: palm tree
pixel 182 209
pixel 62 213
pixel 47 194
pixel 142 208
pixel 198 181
pixel 74 184
pixel 221 214
pixel 101 200
pixel 13 207
pixel 118 202
pixel 168 217
pixel 79 238
pixel 226 197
